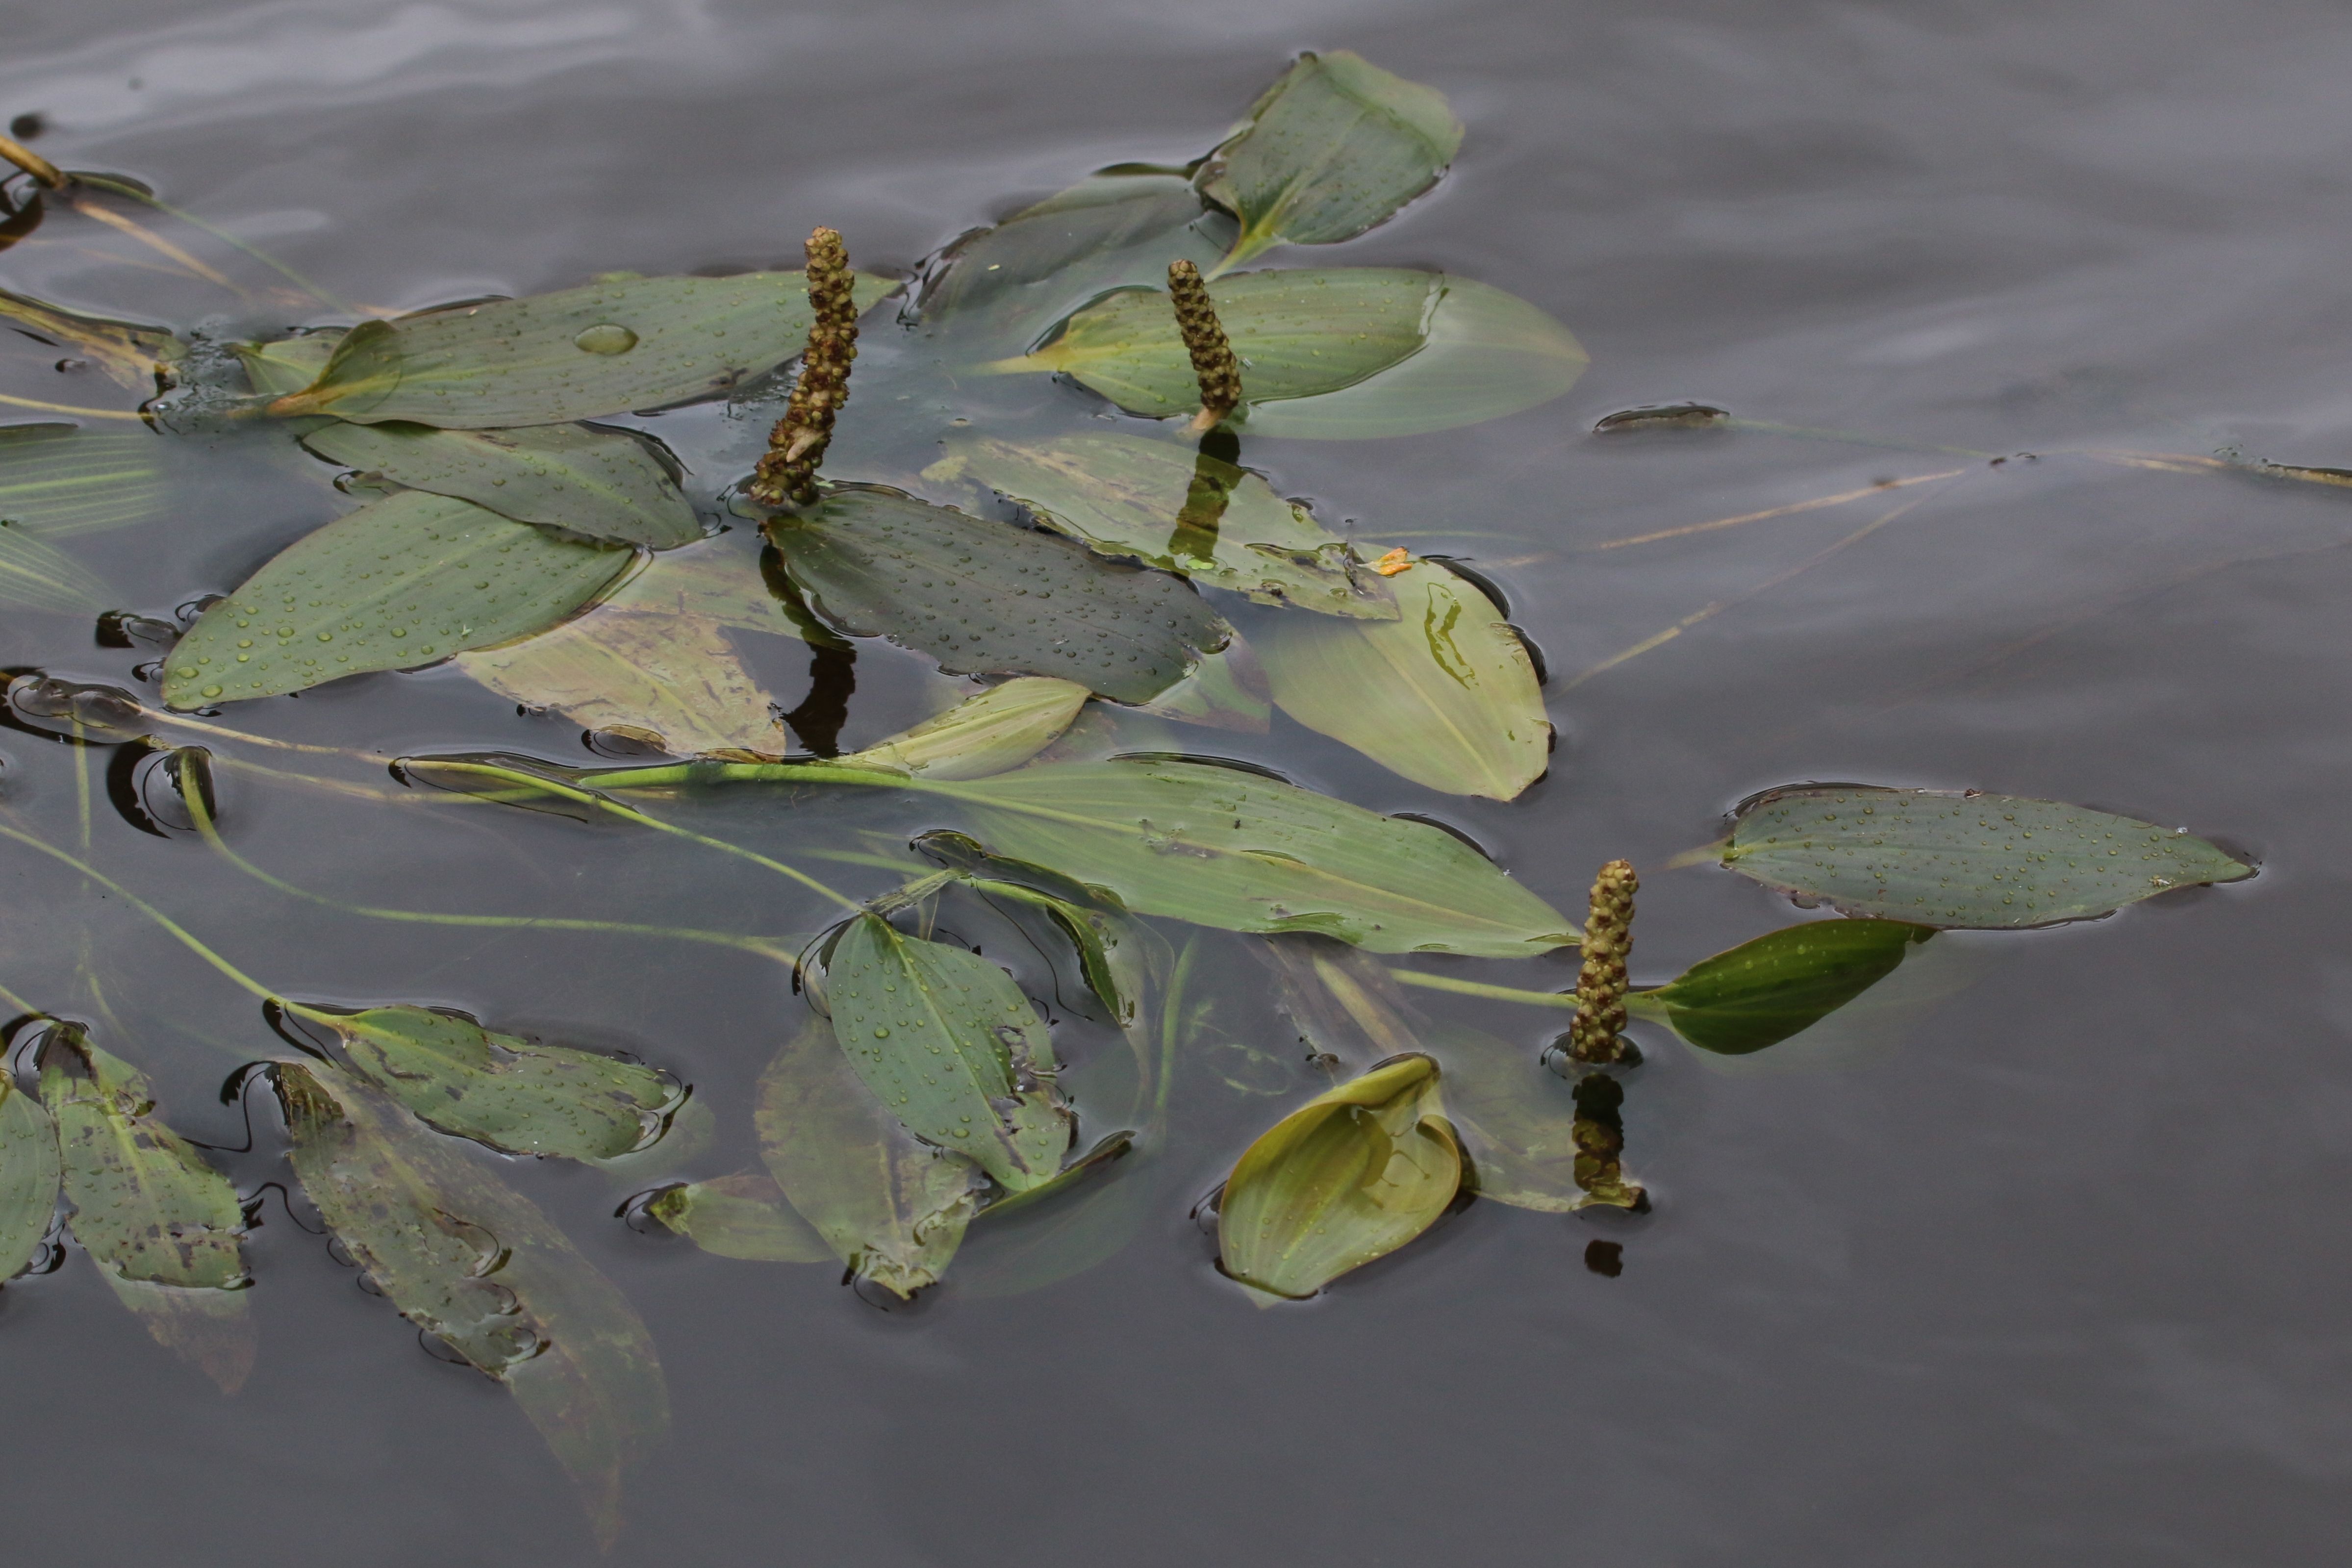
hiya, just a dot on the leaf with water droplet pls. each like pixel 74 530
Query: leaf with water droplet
pixel 57 480
pixel 522 361
pixel 949 1046
pixel 402 582
pixel 1353 1174
pixel 515 1095
pixel 29 1175
pixel 471 1262
pixel 1953 860
pixel 1445 695
pixel 607 484
pixel 744 1215
pixel 1001 728
pixel 1761 992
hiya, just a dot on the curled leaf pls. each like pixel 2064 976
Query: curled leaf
pixel 1761 992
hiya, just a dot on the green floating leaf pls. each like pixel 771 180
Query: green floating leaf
pixel 28 1175
pixel 58 480
pixel 1226 691
pixel 400 581
pixel 1298 334
pixel 1168 506
pixel 1761 992
pixel 891 1207
pixel 1220 847
pixel 289 364
pixel 130 354
pixel 951 1048
pixel 471 1262
pixel 36 575
pixel 163 1225
pixel 627 343
pixel 1001 728
pixel 607 484
pixel 502 1090
pixel 986 598
pixel 745 1215
pixel 718 580
pixel 1352 1176
pixel 1334 147
pixel 672 681
pixel 1952 859
pixel 1115 953
pixel 1445 695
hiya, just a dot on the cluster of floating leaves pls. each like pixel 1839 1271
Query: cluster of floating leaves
pixel 584 569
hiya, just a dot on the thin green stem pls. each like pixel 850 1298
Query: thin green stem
pixel 1566 999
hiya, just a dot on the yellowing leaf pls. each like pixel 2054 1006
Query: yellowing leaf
pixel 675 678
pixel 1001 728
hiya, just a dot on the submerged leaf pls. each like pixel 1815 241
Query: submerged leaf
pixel 607 484
pixel 1333 148
pixel 289 364
pixel 745 1215
pixel 57 480
pixel 28 1175
pixel 1352 1176
pixel 1761 992
pixel 1001 728
pixel 550 359
pixel 1445 695
pixel 502 1090
pixel 36 575
pixel 400 581
pixel 1947 859
pixel 130 354
pixel 987 598
pixel 471 1262
pixel 891 1207
pixel 951 1048
pixel 677 680
pixel 1169 507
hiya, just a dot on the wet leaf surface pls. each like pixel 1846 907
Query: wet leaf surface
pixel 1352 1175
pixel 1000 728
pixel 28 1175
pixel 1116 954
pixel 471 1262
pixel 1168 506
pixel 675 680
pixel 580 353
pixel 949 1046
pixel 745 1215
pixel 1963 860
pixel 1761 992
pixel 1334 147
pixel 607 484
pixel 57 480
pixel 516 1096
pixel 1443 695
pixel 987 598
pixel 890 1207
pixel 288 364
pixel 400 581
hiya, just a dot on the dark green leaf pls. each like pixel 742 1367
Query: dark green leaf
pixel 57 480
pixel 1761 992
pixel 626 344
pixel 891 1207
pixel 744 1215
pixel 1445 695
pixel 987 598
pixel 1947 859
pixel 473 1262
pixel 502 1090
pixel 402 582
pixel 607 484
pixel 28 1175
pixel 1334 147
pixel 951 1048
pixel 1168 506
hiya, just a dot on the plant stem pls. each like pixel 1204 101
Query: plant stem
pixel 1427 982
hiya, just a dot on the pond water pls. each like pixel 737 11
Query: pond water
pixel 2041 1265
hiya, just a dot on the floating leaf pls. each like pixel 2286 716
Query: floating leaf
pixel 1334 147
pixel 1226 691
pixel 744 1215
pixel 718 580
pixel 502 1090
pixel 986 598
pixel 400 581
pixel 1761 992
pixel 676 681
pixel 289 364
pixel 951 1048
pixel 1001 728
pixel 1114 952
pixel 607 484
pixel 1180 510
pixel 1947 859
pixel 57 480
pixel 149 1210
pixel 1445 695
pixel 36 575
pixel 1298 334
pixel 130 354
pixel 28 1175
pixel 626 344
pixel 471 1262
pixel 891 1207
pixel 1351 1176
pixel 1220 847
